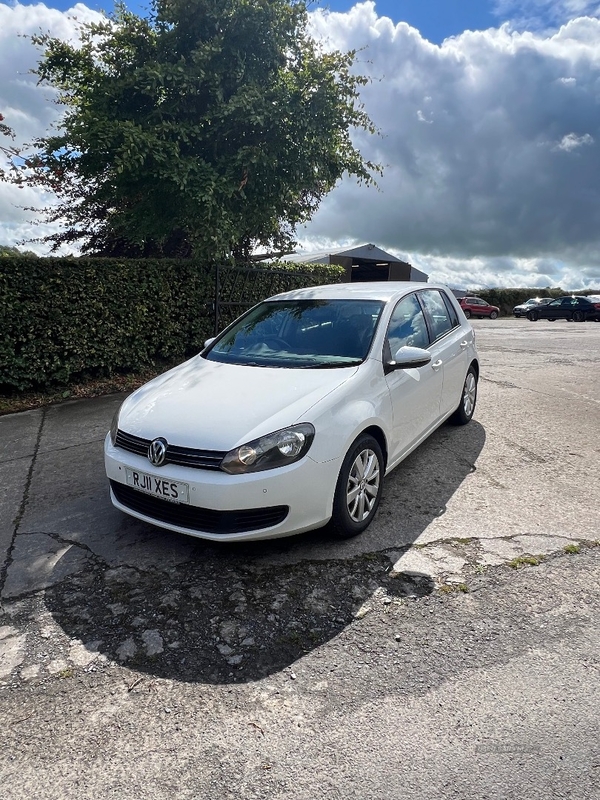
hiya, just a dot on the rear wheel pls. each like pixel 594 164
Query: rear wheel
pixel 468 400
pixel 578 316
pixel 359 488
pixel 467 313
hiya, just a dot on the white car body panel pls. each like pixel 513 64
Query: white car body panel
pixel 223 492
pixel 252 402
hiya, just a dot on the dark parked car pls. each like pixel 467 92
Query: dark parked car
pixel 577 309
pixel 476 307
pixel 533 302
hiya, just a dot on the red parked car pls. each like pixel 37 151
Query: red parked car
pixel 476 307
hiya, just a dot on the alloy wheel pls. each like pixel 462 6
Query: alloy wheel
pixel 362 488
pixel 469 394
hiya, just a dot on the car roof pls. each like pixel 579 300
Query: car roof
pixel 374 290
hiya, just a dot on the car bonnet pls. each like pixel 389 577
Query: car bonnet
pixel 214 406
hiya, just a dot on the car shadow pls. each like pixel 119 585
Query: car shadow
pixel 233 613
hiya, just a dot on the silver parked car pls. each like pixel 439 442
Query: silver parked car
pixel 533 302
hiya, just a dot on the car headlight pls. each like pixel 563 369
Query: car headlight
pixel 268 452
pixel 114 426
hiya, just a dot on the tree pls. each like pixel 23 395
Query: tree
pixel 6 251
pixel 208 128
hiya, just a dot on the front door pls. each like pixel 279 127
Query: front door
pixel 415 393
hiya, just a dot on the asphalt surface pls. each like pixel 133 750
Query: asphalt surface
pixel 450 651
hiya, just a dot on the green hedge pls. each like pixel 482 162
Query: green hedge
pixel 65 318
pixel 507 299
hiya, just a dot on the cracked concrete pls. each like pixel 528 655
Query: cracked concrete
pixel 513 483
pixel 409 662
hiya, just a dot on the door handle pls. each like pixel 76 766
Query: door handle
pixel 464 344
pixel 437 364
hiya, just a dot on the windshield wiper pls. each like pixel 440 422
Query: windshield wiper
pixel 333 365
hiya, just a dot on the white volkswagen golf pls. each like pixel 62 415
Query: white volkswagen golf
pixel 291 417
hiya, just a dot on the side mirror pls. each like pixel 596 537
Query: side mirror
pixel 409 358
pixel 208 342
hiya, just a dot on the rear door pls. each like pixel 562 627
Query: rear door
pixel 449 346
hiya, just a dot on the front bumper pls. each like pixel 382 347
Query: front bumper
pixel 221 507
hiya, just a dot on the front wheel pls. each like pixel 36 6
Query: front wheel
pixel 493 315
pixel 359 487
pixel 468 400
pixel 533 316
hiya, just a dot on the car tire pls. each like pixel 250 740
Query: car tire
pixel 533 316
pixel 467 313
pixel 468 400
pixel 358 490
pixel 551 319
pixel 493 315
pixel 578 316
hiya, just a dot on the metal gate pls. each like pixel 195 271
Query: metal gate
pixel 239 288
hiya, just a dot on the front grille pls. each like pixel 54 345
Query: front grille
pixel 199 519
pixel 184 456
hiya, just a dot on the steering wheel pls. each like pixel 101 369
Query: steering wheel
pixel 274 342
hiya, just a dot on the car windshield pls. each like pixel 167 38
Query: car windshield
pixel 300 334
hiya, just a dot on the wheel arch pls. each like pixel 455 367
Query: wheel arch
pixel 377 433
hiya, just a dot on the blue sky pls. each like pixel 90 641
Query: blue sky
pixel 490 141
pixel 435 19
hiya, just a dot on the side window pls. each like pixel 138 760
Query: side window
pixel 436 311
pixel 451 310
pixel 407 326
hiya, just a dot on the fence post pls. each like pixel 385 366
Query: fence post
pixel 217 297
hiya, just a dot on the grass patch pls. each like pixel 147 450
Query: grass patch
pixel 449 588
pixel 525 561
pixel 572 549
pixel 69 672
pixel 370 556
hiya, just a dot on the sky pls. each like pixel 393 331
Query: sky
pixel 489 133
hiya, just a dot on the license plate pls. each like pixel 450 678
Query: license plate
pixel 173 491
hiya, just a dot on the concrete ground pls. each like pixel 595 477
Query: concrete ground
pixel 451 650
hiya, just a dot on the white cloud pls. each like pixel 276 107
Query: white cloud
pixel 571 141
pixel 507 165
pixel 27 108
pixel 544 14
